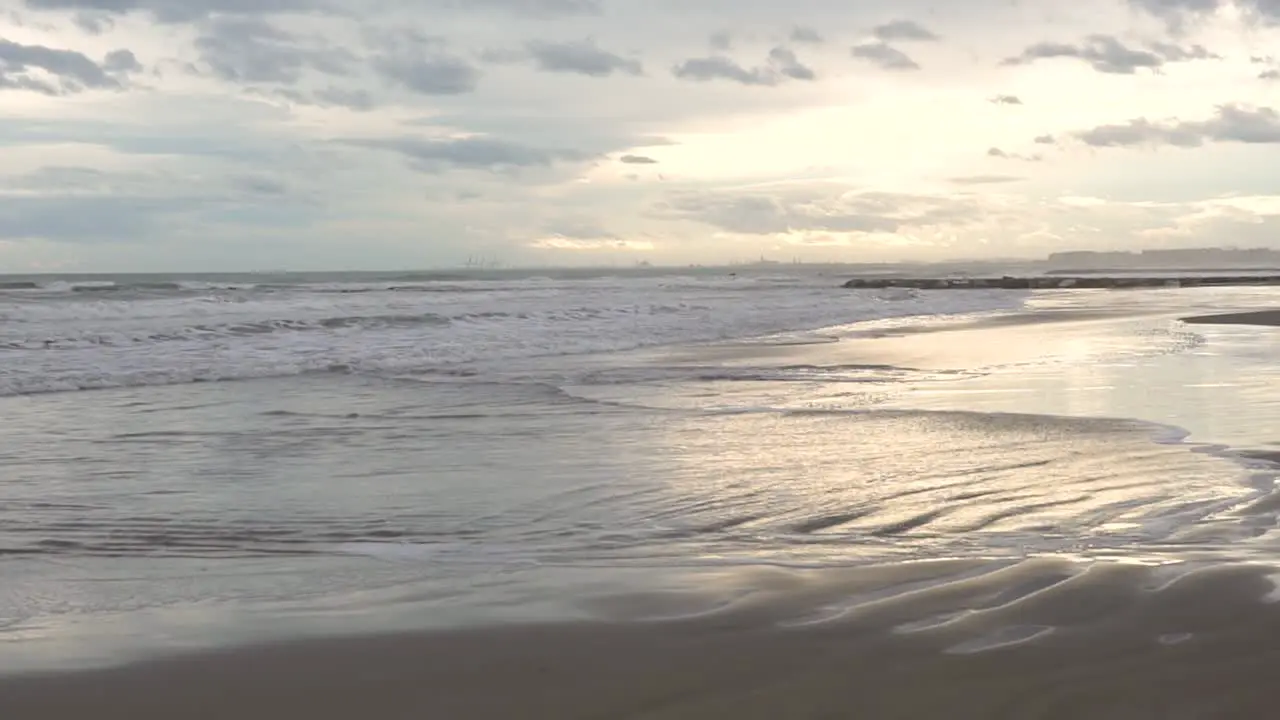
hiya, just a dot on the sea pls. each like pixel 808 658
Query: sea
pixel 192 461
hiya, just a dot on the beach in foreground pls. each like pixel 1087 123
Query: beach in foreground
pixel 1055 505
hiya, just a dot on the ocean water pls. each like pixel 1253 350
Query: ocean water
pixel 191 461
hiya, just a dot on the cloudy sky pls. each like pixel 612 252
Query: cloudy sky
pixel 313 134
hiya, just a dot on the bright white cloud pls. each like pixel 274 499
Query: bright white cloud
pixel 190 134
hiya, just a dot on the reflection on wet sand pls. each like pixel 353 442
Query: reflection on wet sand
pixel 1034 639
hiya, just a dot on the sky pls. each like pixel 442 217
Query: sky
pixel 212 135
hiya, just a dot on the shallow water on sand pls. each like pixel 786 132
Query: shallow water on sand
pixel 645 484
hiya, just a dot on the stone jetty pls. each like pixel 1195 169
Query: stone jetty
pixel 1056 281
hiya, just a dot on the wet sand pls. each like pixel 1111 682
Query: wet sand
pixel 1118 641
pixel 1258 317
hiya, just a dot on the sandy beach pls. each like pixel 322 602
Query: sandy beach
pixel 1111 644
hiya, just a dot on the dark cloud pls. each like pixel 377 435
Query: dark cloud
pixel 781 64
pixel 805 35
pixel 71 71
pixel 94 23
pixel 252 50
pixel 1006 100
pixel 182 11
pixel 582 57
pixel 996 152
pixel 1272 72
pixel 1178 53
pixel 1044 140
pixel 419 63
pixel 472 153
pixel 121 61
pixel 884 56
pixel 985 179
pixel 718 67
pixel 637 160
pixel 1231 123
pixel 786 62
pixel 1106 54
pixel 903 30
pixel 722 41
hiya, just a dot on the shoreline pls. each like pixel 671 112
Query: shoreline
pixel 1112 641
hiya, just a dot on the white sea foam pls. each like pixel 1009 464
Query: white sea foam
pixel 68 336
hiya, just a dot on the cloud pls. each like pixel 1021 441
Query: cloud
pixel 61 72
pixel 760 213
pixel 78 219
pixel 804 35
pixel 536 9
pixel 884 56
pixel 637 160
pixel 718 67
pixel 339 97
pixel 996 152
pixel 1230 123
pixel 1177 53
pixel 903 30
pixel 1106 54
pixel 1179 14
pixel 1044 140
pixel 581 57
pixel 121 62
pixel 583 234
pixel 722 41
pixel 421 64
pixel 184 11
pixel 433 156
pixel 251 50
pixel 559 242
pixel 985 179
pixel 94 23
pixel 785 61
pixel 1272 69
pixel 1006 100
pixel 84 205
pixel 781 64
pixel 181 11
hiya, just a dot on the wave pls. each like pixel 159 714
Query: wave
pixel 112 338
pixel 228 330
